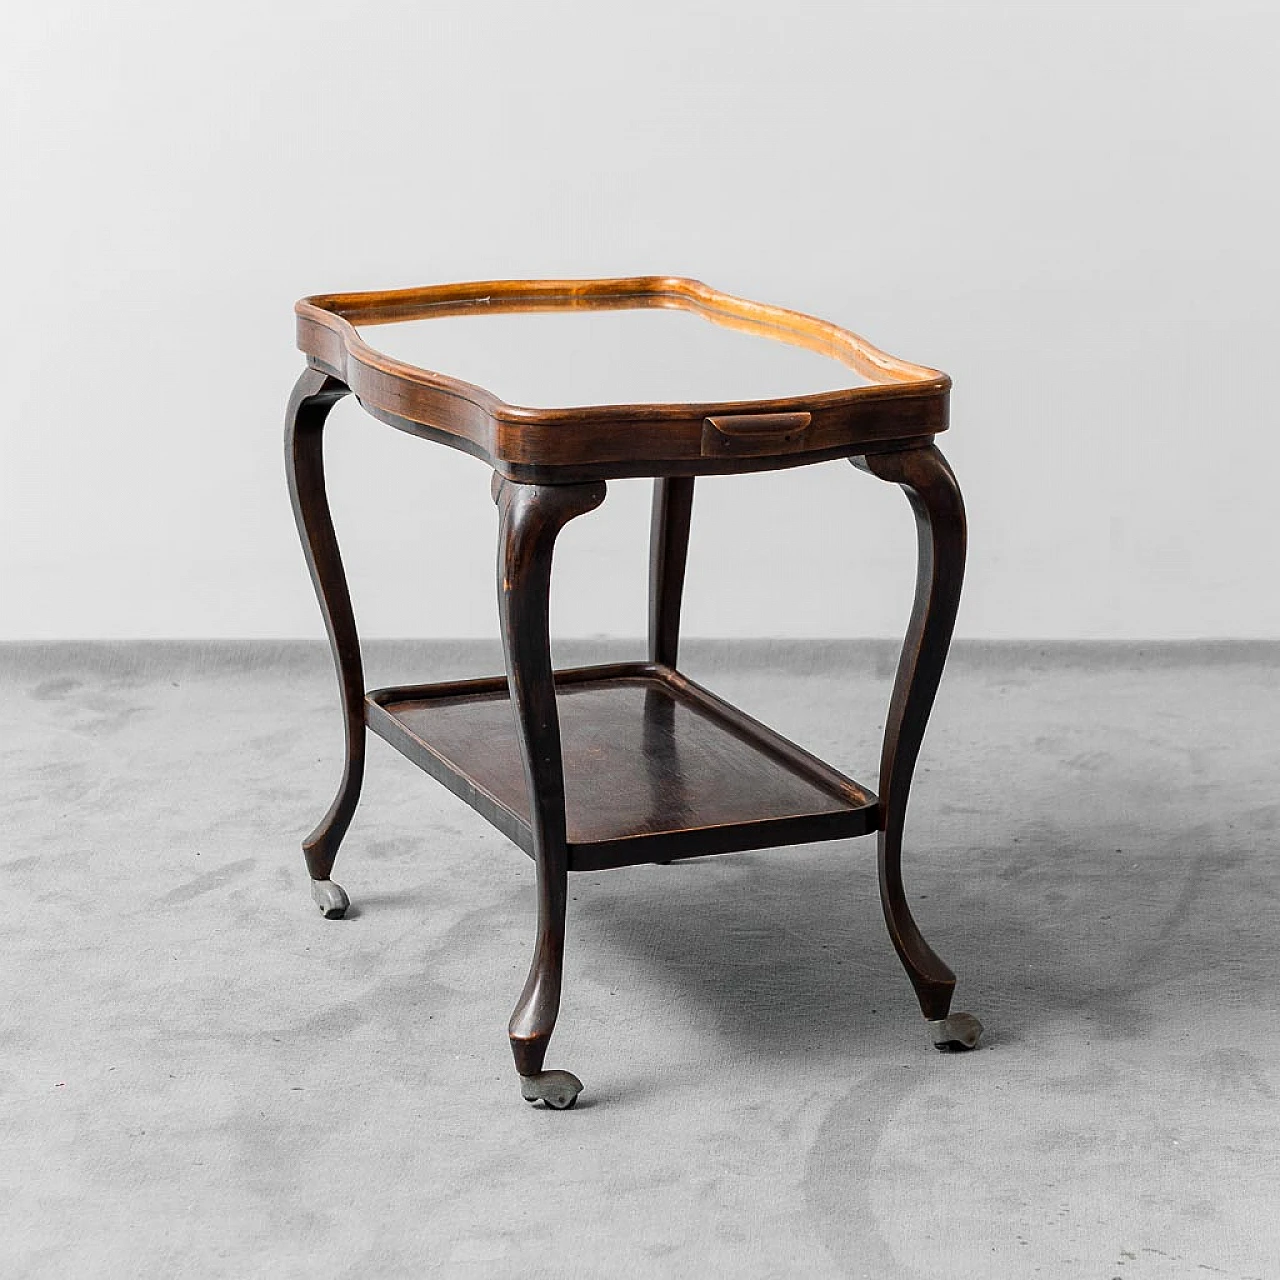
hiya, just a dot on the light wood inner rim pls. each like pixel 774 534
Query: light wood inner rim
pixel 341 312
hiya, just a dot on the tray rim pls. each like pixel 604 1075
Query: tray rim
pixel 859 815
pixel 468 416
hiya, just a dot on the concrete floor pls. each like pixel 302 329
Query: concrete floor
pixel 201 1077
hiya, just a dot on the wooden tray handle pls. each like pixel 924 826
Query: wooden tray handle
pixel 749 435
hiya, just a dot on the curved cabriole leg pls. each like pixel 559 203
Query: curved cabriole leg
pixel 935 499
pixel 531 518
pixel 315 394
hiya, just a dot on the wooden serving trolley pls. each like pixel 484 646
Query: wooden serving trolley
pixel 610 766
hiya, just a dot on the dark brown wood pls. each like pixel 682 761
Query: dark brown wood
pixel 755 435
pixel 654 767
pixel 935 499
pixel 531 518
pixel 904 401
pixel 313 397
pixel 668 555
pixel 609 766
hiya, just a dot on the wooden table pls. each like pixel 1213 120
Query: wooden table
pixel 629 763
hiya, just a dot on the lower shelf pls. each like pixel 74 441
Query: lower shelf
pixel 655 767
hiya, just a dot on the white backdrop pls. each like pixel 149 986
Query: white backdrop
pixel 1070 207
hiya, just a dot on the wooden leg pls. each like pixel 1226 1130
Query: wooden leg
pixel 313 397
pixel 935 498
pixel 668 552
pixel 531 519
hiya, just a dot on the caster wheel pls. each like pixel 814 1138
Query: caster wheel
pixel 330 898
pixel 558 1089
pixel 955 1033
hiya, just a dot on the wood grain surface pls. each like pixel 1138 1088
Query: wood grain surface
pixel 900 403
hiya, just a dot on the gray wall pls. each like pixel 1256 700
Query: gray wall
pixel 1069 207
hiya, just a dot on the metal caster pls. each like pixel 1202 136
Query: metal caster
pixel 955 1033
pixel 330 898
pixel 558 1089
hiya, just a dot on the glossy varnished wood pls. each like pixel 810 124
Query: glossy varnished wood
pixel 903 401
pixel 531 517
pixel 609 766
pixel 935 499
pixel 668 555
pixel 313 397
pixel 654 766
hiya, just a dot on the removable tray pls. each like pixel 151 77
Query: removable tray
pixel 864 401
